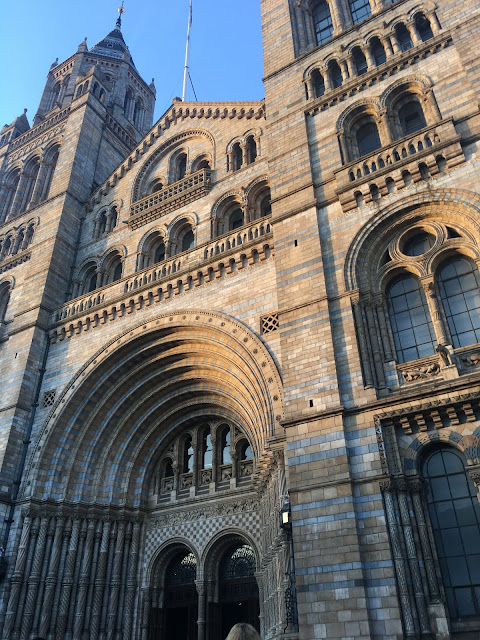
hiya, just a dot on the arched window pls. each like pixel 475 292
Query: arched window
pixel 318 83
pixel 360 61
pixel 188 455
pixel 4 299
pixel 459 281
pixel 188 240
pixel 410 319
pixel 236 219
pixel 181 166
pixel 237 156
pixel 418 244
pixel 378 51
pixel 102 223
pixel 114 218
pixel 423 27
pixel 368 138
pixel 360 10
pixel 336 76
pixel 90 280
pixel 455 517
pixel 411 117
pixel 238 562
pixel 182 570
pixel 403 37
pixel 251 150
pixel 322 21
pixel 8 194
pixel 207 450
pixel 138 113
pixel 245 451
pixel 167 477
pixel 266 205
pixel 225 440
pixel 117 271
pixel 52 165
pixel 159 252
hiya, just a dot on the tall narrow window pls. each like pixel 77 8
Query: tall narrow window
pixel 159 252
pixel 236 219
pixel 318 83
pixel 181 166
pixel 368 139
pixel 455 516
pixel 403 37
pixel 322 21
pixel 225 456
pixel 360 61
pixel 410 319
pixel 117 272
pixel 207 453
pixel 188 455
pixel 335 74
pixel 251 150
pixel 188 240
pixel 423 27
pixel 411 117
pixel 360 10
pixel 237 156
pixel 378 51
pixel 459 282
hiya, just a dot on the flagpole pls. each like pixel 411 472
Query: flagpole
pixel 187 55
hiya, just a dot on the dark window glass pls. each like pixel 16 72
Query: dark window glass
pixel 238 562
pixel 245 451
pixel 188 241
pixel 378 51
pixel 423 27
pixel 92 282
pixel 117 272
pixel 367 138
pixel 411 117
pixel 336 75
pixel 168 469
pixel 182 570
pixel 266 206
pixel 459 282
pixel 188 456
pixel 360 61
pixel 181 166
pixel 418 244
pixel 322 22
pixel 453 507
pixel 403 37
pixel 410 319
pixel 237 157
pixel 159 254
pixel 318 84
pixel 360 10
pixel 251 150
pixel 236 219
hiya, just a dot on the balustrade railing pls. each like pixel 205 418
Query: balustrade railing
pixel 186 190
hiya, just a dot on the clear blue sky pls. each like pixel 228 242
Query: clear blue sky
pixel 226 56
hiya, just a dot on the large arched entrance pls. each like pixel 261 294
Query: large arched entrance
pixel 233 594
pixel 174 606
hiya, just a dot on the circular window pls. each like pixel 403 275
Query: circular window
pixel 418 244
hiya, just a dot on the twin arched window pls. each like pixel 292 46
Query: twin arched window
pixel 458 283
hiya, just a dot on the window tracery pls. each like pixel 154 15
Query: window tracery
pixel 211 455
pixel 419 294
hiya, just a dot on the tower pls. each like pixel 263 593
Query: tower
pixel 239 348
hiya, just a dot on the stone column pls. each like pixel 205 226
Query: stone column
pixel 109 221
pixel 345 70
pixel 202 609
pixel 19 196
pixel 370 59
pixel 412 28
pixel 39 183
pixel 435 309
pixel 374 342
pixel 116 582
pixel 310 88
pixel 394 42
pixel 100 279
pixel 350 66
pixel 68 580
pixel 300 20
pixel 6 197
pixel 387 341
pixel 413 559
pixel 131 582
pixel 52 578
pixel 336 17
pixel 100 581
pixel 83 582
pixel 17 579
pixel 434 23
pixel 398 561
pixel 34 579
pixel 387 45
pixel 363 342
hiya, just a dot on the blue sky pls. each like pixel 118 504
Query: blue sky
pixel 226 56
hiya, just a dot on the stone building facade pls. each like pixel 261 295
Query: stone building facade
pixel 240 348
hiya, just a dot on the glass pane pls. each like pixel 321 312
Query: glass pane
pixel 465 604
pixel 239 562
pixel 360 10
pixel 458 570
pixel 322 21
pixel 458 486
pixel 465 513
pixel 471 544
pixel 445 514
pixel 440 488
pixel 182 570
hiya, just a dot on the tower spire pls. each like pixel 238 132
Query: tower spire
pixel 121 11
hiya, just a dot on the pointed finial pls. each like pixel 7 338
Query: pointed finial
pixel 121 11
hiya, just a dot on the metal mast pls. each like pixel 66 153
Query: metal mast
pixel 187 54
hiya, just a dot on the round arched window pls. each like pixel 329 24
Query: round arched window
pixel 368 139
pixel 182 570
pixel 238 562
pixel 418 244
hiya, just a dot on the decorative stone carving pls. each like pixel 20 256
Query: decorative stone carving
pixel 420 373
pixel 202 513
